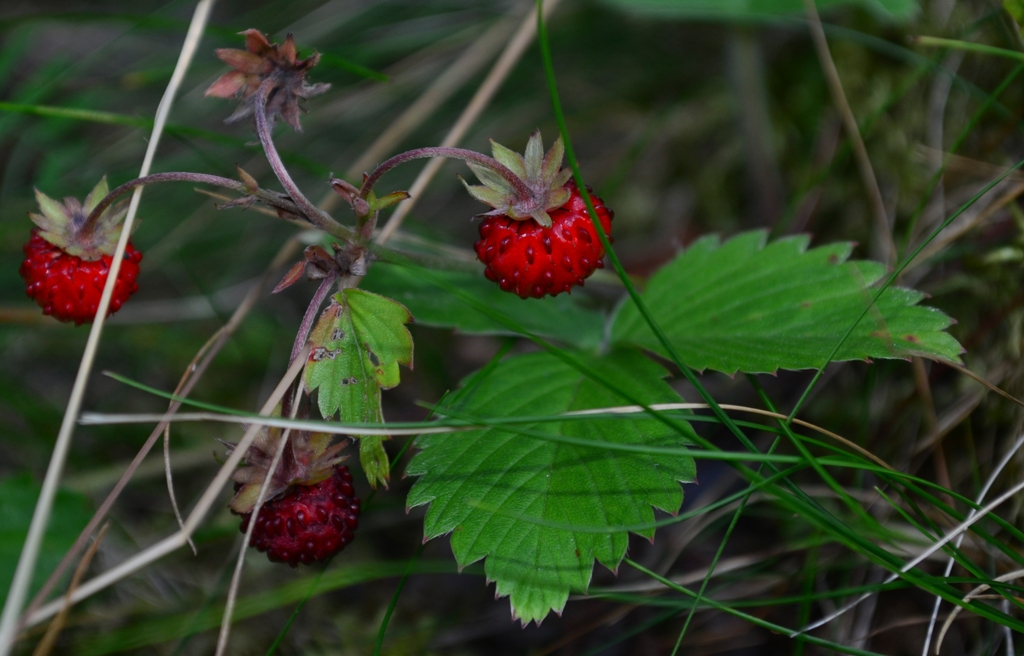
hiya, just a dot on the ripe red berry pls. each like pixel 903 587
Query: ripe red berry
pixel 308 523
pixel 539 238
pixel 69 287
pixel 69 255
pixel 526 258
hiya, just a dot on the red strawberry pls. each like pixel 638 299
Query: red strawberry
pixel 311 511
pixel 539 238
pixel 531 260
pixel 309 523
pixel 67 258
pixel 68 287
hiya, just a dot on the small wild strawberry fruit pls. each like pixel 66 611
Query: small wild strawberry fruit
pixel 67 260
pixel 310 511
pixel 544 243
pixel 309 523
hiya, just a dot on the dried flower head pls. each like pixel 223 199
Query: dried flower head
pixel 308 459
pixel 263 61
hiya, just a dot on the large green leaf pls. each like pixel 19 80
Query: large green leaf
pixel 18 495
pixel 358 343
pixel 744 306
pixel 754 9
pixel 540 511
pixel 561 317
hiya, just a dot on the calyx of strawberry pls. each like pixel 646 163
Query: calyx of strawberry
pixel 308 459
pixel 262 61
pixel 540 172
pixel 64 224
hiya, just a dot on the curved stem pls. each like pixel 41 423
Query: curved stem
pixel 267 197
pixel 316 216
pixel 321 295
pixel 270 198
pixel 455 153
pixel 201 178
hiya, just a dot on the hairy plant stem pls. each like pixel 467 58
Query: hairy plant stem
pixel 267 197
pixel 454 153
pixel 316 216
pixel 307 320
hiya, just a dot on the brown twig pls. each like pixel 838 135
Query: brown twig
pixel 860 151
pixel 49 639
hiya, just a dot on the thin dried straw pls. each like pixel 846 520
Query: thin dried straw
pixel 513 51
pixel 1007 457
pixel 236 578
pixel 46 645
pixel 917 560
pixel 192 375
pixel 202 507
pixel 860 151
pixel 44 506
pixel 356 429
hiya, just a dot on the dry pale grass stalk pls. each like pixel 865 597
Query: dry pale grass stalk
pixel 236 578
pixel 976 594
pixel 190 378
pixel 513 51
pixel 40 517
pixel 921 557
pixel 1007 457
pixel 860 151
pixel 356 429
pixel 45 645
pixel 198 514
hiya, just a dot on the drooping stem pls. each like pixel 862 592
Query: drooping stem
pixel 307 320
pixel 267 197
pixel 455 153
pixel 316 216
pixel 184 176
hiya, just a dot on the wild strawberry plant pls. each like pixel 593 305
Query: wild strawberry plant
pixel 543 462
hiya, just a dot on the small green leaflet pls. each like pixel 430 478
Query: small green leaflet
pixel 541 511
pixel 745 306
pixel 754 9
pixel 357 345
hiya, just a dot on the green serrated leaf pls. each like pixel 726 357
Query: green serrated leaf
pixel 383 337
pixel 745 306
pixel 562 317
pixel 357 345
pixel 754 9
pixel 539 511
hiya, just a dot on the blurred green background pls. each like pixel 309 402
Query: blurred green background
pixel 686 122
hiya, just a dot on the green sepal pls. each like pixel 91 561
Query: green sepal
pixel 510 158
pixel 378 204
pixel 98 193
pixel 534 156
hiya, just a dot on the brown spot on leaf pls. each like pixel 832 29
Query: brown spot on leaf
pixel 913 339
pixel 373 358
pixel 321 353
